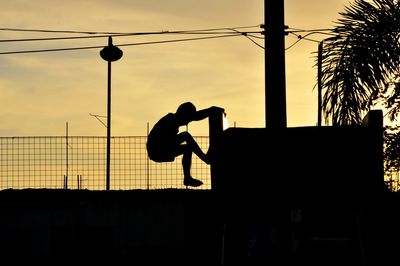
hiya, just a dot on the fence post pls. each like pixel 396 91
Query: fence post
pixel 65 182
pixel 148 160
pixel 215 131
pixel 66 157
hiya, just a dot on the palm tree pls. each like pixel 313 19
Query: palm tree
pixel 361 62
pixel 361 69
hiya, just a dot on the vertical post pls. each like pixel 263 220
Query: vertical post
pixel 66 157
pixel 108 125
pixel 215 121
pixel 275 84
pixel 110 54
pixel 148 160
pixel 320 46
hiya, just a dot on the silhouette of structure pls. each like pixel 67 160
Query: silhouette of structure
pixel 266 178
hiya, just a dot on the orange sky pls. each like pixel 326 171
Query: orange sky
pixel 40 92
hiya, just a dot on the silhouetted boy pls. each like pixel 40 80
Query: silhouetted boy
pixel 164 142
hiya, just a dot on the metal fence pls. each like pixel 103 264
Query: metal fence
pixel 79 162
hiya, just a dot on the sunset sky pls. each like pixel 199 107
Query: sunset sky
pixel 40 92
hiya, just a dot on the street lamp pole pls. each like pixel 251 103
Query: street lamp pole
pixel 110 54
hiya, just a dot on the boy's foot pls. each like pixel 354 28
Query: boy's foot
pixel 192 182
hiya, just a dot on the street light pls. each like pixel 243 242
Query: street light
pixel 110 54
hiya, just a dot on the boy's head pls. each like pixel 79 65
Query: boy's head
pixel 186 112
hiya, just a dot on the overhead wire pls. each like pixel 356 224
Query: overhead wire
pixel 120 45
pixel 113 33
pixel 301 37
pixel 253 41
pixel 248 37
pixel 125 35
pixel 322 31
pixel 296 32
pixel 214 32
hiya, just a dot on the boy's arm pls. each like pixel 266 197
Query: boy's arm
pixel 204 113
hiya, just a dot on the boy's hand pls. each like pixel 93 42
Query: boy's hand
pixel 217 109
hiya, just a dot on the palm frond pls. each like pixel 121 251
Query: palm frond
pixel 360 59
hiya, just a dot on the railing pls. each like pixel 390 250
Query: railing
pixel 79 162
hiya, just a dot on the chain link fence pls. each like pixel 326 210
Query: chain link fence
pixel 79 162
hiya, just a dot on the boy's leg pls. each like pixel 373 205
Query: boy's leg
pixel 186 162
pixel 186 137
pixel 188 180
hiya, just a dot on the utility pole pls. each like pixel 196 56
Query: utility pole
pixel 275 81
pixel 110 54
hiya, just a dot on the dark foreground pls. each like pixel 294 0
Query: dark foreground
pixel 191 227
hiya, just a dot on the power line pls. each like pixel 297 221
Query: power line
pixel 309 32
pixel 254 36
pixel 128 44
pixel 183 40
pixel 54 31
pixel 128 34
pixel 300 38
pixel 116 33
pixel 249 37
pixel 253 41
pixel 51 50
pixel 322 31
pixel 218 32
